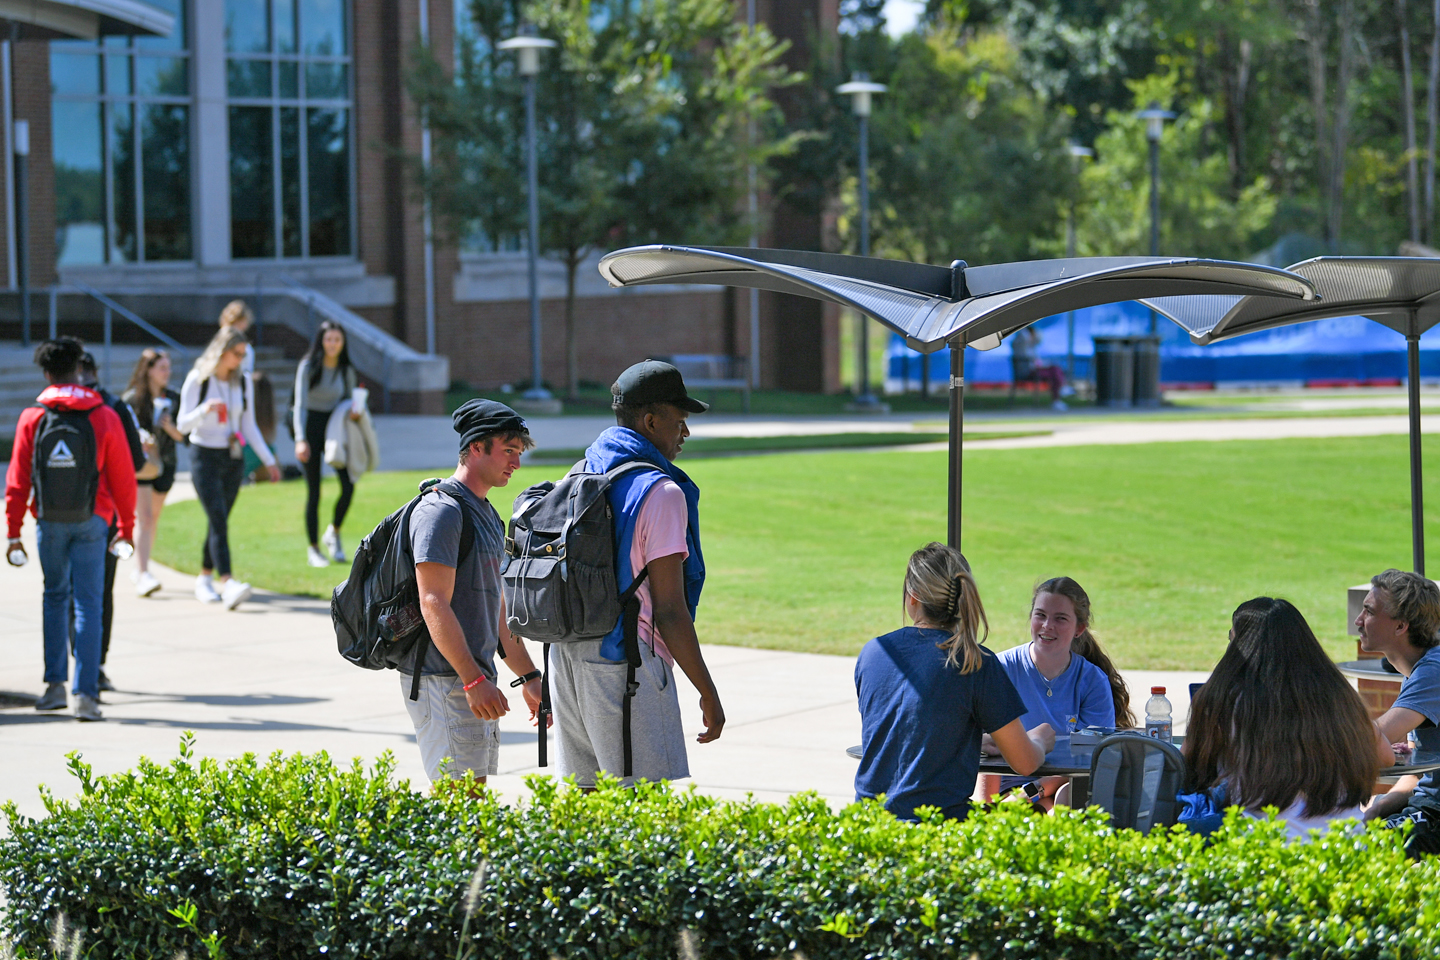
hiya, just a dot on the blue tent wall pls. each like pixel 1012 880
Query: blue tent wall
pixel 1345 348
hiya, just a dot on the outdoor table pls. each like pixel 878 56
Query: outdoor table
pixel 1061 761
pixel 1421 763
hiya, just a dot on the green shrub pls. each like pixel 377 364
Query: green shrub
pixel 296 857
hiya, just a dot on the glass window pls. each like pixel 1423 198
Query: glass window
pixel 290 152
pixel 120 111
pixel 247 26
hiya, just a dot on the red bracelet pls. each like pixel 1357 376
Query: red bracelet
pixel 473 683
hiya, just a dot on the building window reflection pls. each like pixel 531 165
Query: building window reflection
pixel 120 111
pixel 288 81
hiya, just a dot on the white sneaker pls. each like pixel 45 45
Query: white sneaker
pixel 205 590
pixel 235 593
pixel 316 558
pixel 146 584
pixel 87 708
pixel 1059 405
pixel 331 542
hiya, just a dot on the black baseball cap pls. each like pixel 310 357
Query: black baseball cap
pixel 654 381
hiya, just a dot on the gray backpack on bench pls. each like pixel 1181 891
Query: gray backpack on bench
pixel 560 579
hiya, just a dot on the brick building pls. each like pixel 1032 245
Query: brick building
pixel 262 143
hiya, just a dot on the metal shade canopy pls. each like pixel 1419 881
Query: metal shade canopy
pixel 1403 293
pixel 956 306
pixel 82 19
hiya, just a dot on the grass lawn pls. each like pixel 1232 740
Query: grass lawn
pixel 807 551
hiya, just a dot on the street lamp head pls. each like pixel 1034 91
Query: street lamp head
pixel 860 89
pixel 1154 118
pixel 528 50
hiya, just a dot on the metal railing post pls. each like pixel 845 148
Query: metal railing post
pixel 105 370
pixel 54 310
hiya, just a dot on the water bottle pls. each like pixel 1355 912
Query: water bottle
pixel 1157 715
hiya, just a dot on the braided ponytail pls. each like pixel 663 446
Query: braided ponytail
pixel 939 579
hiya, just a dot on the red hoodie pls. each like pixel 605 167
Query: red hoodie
pixel 116 492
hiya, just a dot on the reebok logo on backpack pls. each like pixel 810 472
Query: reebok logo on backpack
pixel 65 471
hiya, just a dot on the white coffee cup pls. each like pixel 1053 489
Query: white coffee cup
pixel 358 398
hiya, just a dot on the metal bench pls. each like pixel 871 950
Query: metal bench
pixel 713 371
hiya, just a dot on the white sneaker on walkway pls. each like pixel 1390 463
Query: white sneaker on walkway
pixel 235 593
pixel 205 590
pixel 331 542
pixel 1059 405
pixel 53 698
pixel 316 558
pixel 146 584
pixel 87 708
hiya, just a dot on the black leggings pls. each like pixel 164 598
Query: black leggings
pixel 315 423
pixel 217 477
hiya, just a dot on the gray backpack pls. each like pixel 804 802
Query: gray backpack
pixel 560 579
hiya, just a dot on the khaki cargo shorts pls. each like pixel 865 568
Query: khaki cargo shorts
pixel 446 729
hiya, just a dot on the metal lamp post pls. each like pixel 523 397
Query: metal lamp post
pixel 1078 155
pixel 528 50
pixel 860 90
pixel 21 143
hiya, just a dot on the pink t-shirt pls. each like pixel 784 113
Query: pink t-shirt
pixel 659 532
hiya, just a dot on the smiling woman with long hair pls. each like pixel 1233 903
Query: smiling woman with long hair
pixel 324 380
pixel 1277 725
pixel 156 407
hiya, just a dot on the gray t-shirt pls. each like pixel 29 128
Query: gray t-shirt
pixel 1421 692
pixel 435 528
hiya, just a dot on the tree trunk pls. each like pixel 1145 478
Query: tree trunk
pixel 1432 90
pixel 1235 70
pixel 1315 55
pixel 572 360
pixel 1407 87
pixel 1345 25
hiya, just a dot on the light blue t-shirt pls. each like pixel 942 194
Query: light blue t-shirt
pixel 1421 692
pixel 1080 695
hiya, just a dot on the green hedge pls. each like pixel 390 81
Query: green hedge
pixel 296 857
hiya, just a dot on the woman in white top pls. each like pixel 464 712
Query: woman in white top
pixel 238 316
pixel 217 411
pixel 1277 725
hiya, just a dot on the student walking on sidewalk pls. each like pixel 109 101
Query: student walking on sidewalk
pixel 217 410
pixel 155 406
pixel 70 451
pixel 323 381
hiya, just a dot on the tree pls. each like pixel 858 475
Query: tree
pixel 643 129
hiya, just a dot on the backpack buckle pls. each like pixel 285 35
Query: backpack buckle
pixel 510 546
pixel 632 688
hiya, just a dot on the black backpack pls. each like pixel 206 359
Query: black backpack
pixel 376 611
pixel 560 581
pixel 64 472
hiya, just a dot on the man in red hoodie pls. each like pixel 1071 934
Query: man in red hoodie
pixel 73 501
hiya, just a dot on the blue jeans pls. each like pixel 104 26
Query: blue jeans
pixel 72 557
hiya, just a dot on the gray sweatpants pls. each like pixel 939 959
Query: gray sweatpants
pixel 587 693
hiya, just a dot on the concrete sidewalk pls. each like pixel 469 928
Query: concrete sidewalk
pixel 267 677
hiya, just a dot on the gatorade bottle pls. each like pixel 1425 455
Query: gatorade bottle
pixel 1157 715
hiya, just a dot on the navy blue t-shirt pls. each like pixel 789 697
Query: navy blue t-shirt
pixel 921 722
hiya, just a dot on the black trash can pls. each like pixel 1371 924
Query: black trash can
pixel 1114 371
pixel 1147 371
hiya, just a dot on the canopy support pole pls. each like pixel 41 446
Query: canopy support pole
pixel 957 438
pixel 1417 496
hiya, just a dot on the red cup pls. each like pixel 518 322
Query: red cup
pixel 224 413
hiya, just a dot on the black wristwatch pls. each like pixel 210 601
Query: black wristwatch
pixel 1033 791
pixel 521 681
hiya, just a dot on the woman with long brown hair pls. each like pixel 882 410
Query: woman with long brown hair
pixel 1277 725
pixel 155 406
pixel 928 692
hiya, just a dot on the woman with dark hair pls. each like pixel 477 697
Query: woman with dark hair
pixel 323 381
pixel 155 406
pixel 929 692
pixel 1063 675
pixel 1277 725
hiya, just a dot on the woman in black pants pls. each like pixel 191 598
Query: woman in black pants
pixel 323 380
pixel 217 410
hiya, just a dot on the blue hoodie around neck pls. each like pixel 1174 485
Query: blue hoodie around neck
pixel 619 445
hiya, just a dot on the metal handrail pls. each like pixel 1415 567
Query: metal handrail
pixel 111 307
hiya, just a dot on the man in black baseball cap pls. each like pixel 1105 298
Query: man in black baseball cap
pixel 657 530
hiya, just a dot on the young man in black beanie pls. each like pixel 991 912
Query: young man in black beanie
pixel 457 714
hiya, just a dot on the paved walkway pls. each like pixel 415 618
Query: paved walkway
pixel 267 678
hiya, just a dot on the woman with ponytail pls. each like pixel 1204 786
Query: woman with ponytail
pixel 1063 675
pixel 930 691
